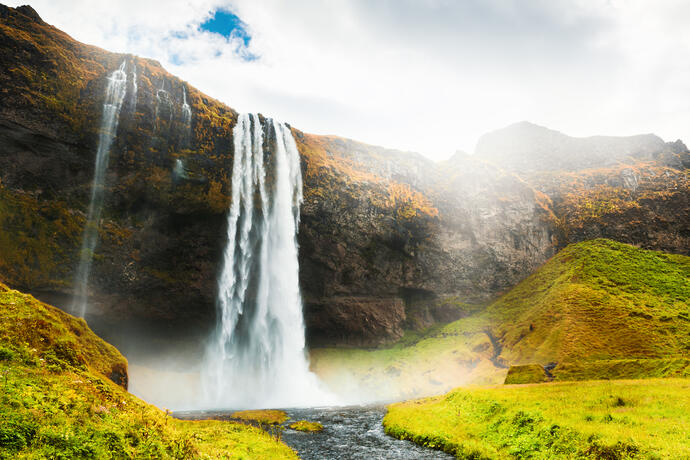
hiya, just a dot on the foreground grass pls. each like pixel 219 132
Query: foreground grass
pixel 57 402
pixel 595 419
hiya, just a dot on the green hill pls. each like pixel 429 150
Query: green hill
pixel 62 396
pixel 598 309
pixel 597 301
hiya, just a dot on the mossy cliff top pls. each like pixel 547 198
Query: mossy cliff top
pixel 526 373
pixel 56 402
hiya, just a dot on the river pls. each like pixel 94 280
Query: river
pixel 353 432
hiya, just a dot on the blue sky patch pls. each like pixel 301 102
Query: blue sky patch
pixel 228 25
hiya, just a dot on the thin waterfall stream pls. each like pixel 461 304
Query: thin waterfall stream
pixel 114 96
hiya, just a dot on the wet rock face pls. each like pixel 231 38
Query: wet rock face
pixel 388 240
pixel 355 321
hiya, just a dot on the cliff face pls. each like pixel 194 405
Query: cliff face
pixel 388 240
pixel 162 231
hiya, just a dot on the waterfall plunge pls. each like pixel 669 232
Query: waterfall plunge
pixel 257 356
pixel 114 96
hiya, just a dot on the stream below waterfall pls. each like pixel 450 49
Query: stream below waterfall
pixel 353 432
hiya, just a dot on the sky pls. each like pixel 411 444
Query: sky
pixel 429 76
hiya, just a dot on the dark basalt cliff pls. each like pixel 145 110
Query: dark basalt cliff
pixel 388 240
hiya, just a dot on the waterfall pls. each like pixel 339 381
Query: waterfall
pixel 114 95
pixel 186 120
pixel 133 99
pixel 186 111
pixel 162 97
pixel 257 356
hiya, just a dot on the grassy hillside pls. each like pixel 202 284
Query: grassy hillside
pixel 598 309
pixel 58 400
pixel 598 300
pixel 597 419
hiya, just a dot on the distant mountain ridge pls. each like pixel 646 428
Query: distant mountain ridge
pixel 525 147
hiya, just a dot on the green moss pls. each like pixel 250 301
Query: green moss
pixel 623 369
pixel 37 240
pixel 37 331
pixel 613 420
pixel 306 426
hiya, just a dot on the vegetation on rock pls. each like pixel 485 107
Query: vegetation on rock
pixel 596 301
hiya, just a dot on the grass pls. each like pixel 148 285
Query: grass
pixel 57 399
pixel 528 373
pixel 598 309
pixel 306 426
pixel 595 419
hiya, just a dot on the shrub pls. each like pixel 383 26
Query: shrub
pixel 6 354
pixel 17 434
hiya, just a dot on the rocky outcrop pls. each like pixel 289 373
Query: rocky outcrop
pixel 388 240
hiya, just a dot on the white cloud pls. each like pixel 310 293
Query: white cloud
pixel 423 75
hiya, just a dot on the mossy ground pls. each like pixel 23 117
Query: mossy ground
pixel 598 309
pixel 263 416
pixel 595 419
pixel 56 402
pixel 306 426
